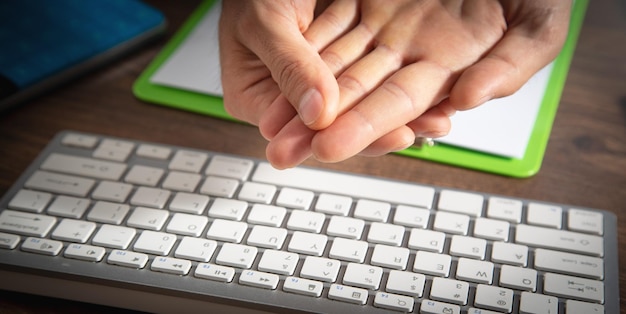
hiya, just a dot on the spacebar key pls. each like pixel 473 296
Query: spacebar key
pixel 346 184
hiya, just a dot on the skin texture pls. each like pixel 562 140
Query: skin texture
pixel 333 79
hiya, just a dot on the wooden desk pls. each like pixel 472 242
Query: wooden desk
pixel 585 162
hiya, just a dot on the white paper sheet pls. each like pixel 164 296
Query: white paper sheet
pixel 501 127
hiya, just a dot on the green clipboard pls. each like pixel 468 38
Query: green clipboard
pixel 523 167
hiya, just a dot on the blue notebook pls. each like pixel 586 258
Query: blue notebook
pixel 46 43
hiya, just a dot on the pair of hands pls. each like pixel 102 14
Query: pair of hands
pixel 333 79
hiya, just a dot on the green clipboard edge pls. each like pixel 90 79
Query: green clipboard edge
pixel 525 167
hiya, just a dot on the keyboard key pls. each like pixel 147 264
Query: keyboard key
pixel 228 231
pixel 427 240
pixel 320 268
pixel 219 187
pixel 196 249
pixel 171 265
pixel 152 242
pixel 181 181
pixel 83 166
pixel 385 234
pixel 116 237
pixel 267 237
pixel 449 290
pixel 345 227
pixel 303 286
pixel 411 217
pixel 236 255
pixel 8 241
pixel 432 263
pixel 229 167
pixel 333 204
pixel 188 161
pixel 406 283
pixel 491 229
pixel 393 302
pixel 468 247
pixel 434 307
pixel 267 215
pixel 85 252
pixel 585 221
pixel 347 294
pixel 578 307
pixel 451 223
pixel 474 271
pixel 150 197
pixel 79 140
pixel 27 224
pixel 348 250
pixel 127 259
pixel 106 212
pixel 259 279
pixel 461 202
pixel 30 201
pixel 228 209
pixel 147 218
pixel 544 215
pixel 112 191
pixel 505 209
pixel 538 303
pixel 278 262
pixel 390 256
pixel 346 184
pixel 73 230
pixel 494 298
pixel 569 264
pixel 67 206
pixel 306 221
pixel 42 246
pixel 186 224
pixel 189 203
pixel 307 243
pixel 518 278
pixel 59 183
pixel 214 272
pixel 573 287
pixel 116 150
pixel 143 175
pixel 153 151
pixel 509 253
pixel 363 276
pixel 257 192
pixel 295 198
pixel 372 210
pixel 560 240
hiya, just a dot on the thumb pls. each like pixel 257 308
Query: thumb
pixel 301 74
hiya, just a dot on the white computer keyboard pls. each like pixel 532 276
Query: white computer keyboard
pixel 101 214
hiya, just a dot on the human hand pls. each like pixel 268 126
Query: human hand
pixel 266 58
pixel 403 67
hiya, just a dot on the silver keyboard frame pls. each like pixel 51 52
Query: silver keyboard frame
pixel 146 290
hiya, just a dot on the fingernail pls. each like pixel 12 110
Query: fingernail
pixel 311 106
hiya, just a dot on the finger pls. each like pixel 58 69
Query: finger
pixel 365 75
pixel 299 71
pixel 394 141
pixel 336 20
pixel 402 98
pixel 529 45
pixel 291 146
pixel 433 123
pixel 275 117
